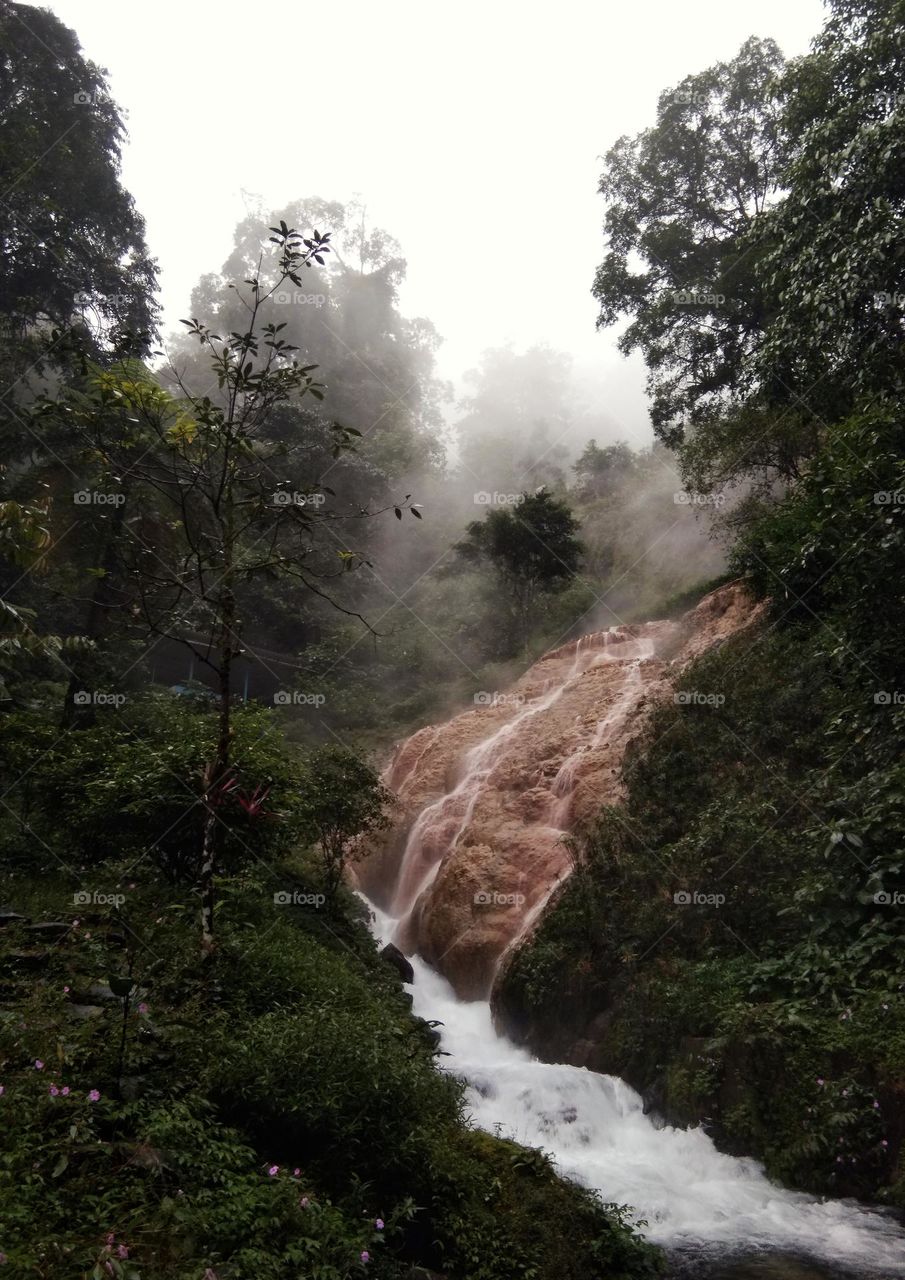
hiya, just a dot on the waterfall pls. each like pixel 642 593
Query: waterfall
pixel 691 1197
pixel 486 800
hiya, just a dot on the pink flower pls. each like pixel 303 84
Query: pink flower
pixel 65 991
pixel 54 1091
pixel 39 1065
pixel 3 1259
pixel 820 1081
pixel 296 1172
pixel 304 1202
pixel 142 1008
pixel 122 1251
pixel 365 1256
pixel 2 1090
pixel 379 1224
pixel 883 1142
pixel 94 1096
pixel 65 1091
pixel 273 1170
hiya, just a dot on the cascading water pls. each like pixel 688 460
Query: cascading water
pixel 694 1199
pixel 487 800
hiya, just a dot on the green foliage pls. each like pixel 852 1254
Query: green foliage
pixel 131 784
pixel 681 196
pixel 828 253
pixel 287 1119
pixel 73 242
pixel 734 918
pixel 532 549
pixel 342 797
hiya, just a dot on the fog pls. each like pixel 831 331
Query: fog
pixel 473 133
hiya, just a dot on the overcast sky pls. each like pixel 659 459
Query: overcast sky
pixel 472 129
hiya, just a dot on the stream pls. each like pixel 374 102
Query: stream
pixel 719 1217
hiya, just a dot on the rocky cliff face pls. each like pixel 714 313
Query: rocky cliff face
pixel 486 801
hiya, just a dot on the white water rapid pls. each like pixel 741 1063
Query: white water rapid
pixel 693 1198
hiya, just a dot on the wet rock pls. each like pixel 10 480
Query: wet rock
pixel 430 1033
pixel 485 800
pixel 50 929
pixel 84 1012
pixel 8 916
pixel 400 963
pixel 95 993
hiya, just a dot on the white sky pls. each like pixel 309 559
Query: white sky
pixel 473 130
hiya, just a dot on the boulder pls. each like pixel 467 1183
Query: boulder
pixel 400 963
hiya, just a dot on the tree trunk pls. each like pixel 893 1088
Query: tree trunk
pixel 102 601
pixel 217 773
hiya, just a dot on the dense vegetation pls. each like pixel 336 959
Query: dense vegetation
pixel 233 569
pixel 198 548
pixel 734 940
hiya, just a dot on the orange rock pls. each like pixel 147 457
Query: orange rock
pixel 487 800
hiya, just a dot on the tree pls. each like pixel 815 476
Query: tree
pixel 208 508
pixel 512 424
pixel 342 797
pixel 531 547
pixel 681 197
pixel 73 243
pixel 830 254
pixel 377 366
pixel 599 473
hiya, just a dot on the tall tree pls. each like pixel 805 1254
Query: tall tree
pixel 681 197
pixel 209 511
pixel 531 547
pixel 73 245
pixel 514 419
pixel 831 255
